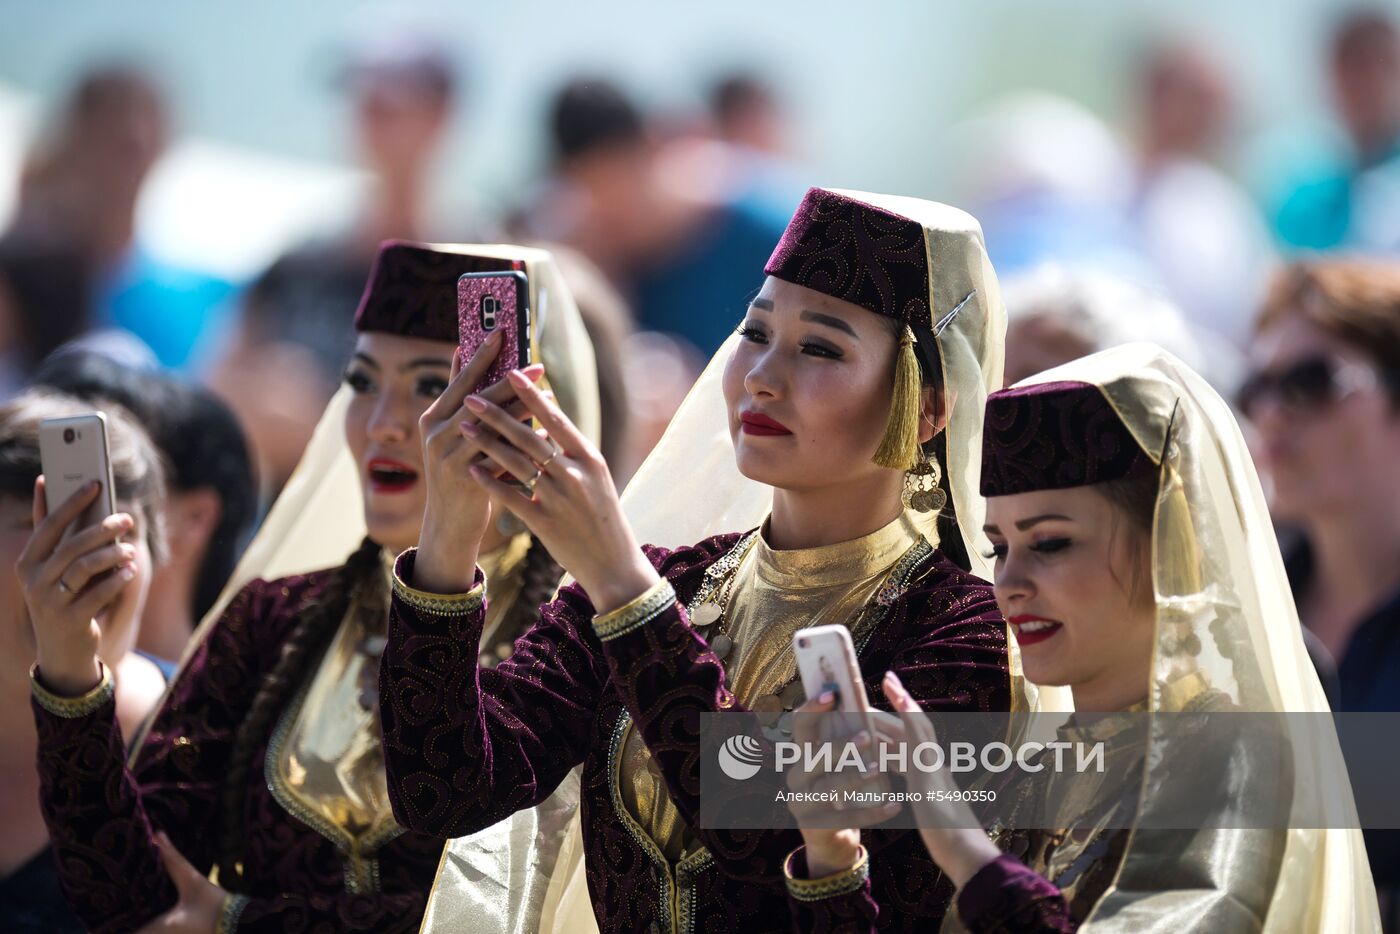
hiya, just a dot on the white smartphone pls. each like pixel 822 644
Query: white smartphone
pixel 826 659
pixel 73 451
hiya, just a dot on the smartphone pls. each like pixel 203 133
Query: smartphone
pixel 494 301
pixel 826 660
pixel 72 452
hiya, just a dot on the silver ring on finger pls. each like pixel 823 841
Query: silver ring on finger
pixel 553 453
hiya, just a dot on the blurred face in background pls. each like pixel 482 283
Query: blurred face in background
pixel 1366 84
pixel 399 122
pixel 1329 434
pixel 393 379
pixel 1185 102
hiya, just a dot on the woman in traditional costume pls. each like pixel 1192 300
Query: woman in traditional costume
pixel 853 388
pixel 1137 565
pixel 264 760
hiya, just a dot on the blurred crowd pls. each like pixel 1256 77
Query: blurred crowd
pixel 1287 299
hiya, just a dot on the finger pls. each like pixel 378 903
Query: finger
pixel 563 431
pixel 508 497
pixel 81 572
pixel 180 870
pixel 90 539
pixel 511 430
pixel 898 696
pixel 41 501
pixel 504 391
pixel 466 380
pixel 49 531
pixel 97 597
pixel 511 459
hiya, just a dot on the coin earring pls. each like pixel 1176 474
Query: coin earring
pixel 921 490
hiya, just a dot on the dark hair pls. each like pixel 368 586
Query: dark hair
pixel 1135 496
pixel 592 114
pixel 361 577
pixel 950 540
pixel 49 286
pixel 138 477
pixel 203 446
pixel 539 577
pixel 1355 300
pixel 735 93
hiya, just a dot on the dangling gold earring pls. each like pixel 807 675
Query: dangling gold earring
pixel 921 490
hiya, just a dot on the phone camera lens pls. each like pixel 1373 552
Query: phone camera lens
pixel 801 643
pixel 68 435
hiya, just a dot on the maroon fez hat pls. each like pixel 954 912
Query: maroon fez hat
pixel 856 252
pixel 1050 436
pixel 412 290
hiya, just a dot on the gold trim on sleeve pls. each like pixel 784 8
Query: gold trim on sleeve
pixel 460 604
pixel 839 883
pixel 637 613
pixel 71 708
pixel 231 913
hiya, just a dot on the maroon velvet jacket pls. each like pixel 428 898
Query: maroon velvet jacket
pixel 466 747
pixel 101 816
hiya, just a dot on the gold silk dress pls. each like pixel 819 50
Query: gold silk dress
pixel 325 763
pixel 774 594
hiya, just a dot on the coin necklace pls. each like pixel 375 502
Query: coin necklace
pixel 706 612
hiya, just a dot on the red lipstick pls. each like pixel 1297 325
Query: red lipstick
pixel 756 423
pixel 1032 629
pixel 387 475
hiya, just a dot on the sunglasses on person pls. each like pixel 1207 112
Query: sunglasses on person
pixel 1307 386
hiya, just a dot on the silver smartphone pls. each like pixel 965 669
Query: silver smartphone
pixel 73 451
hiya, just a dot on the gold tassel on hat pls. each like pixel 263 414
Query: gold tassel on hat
pixel 899 448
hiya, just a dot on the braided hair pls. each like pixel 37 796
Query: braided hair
pixel 950 540
pixel 539 577
pixel 361 576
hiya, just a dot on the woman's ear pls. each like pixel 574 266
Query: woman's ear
pixel 933 415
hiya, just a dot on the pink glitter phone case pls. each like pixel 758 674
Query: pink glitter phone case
pixel 494 301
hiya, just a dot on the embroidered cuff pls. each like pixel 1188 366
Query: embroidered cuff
pixel 436 604
pixel 636 614
pixel 231 913
pixel 840 883
pixel 70 708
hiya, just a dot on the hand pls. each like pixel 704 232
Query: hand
pixel 200 901
pixel 67 583
pixel 457 512
pixel 949 829
pixel 570 503
pixel 830 829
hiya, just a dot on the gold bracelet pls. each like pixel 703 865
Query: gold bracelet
pixel 436 604
pixel 231 913
pixel 70 708
pixel 636 613
pixel 838 883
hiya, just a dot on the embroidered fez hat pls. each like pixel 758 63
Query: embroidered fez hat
pixel 412 290
pixel 1049 436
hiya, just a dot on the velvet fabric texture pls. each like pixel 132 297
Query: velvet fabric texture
pixel 466 747
pixel 1051 436
pixel 859 253
pixel 102 816
pixel 412 290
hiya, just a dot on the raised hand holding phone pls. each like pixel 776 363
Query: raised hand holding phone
pixel 75 565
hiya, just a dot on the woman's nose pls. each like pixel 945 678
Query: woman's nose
pixel 765 377
pixel 388 423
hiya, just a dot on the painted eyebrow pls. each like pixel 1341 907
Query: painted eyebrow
pixel 830 321
pixel 1027 523
pixel 366 359
pixel 425 361
pixel 762 304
